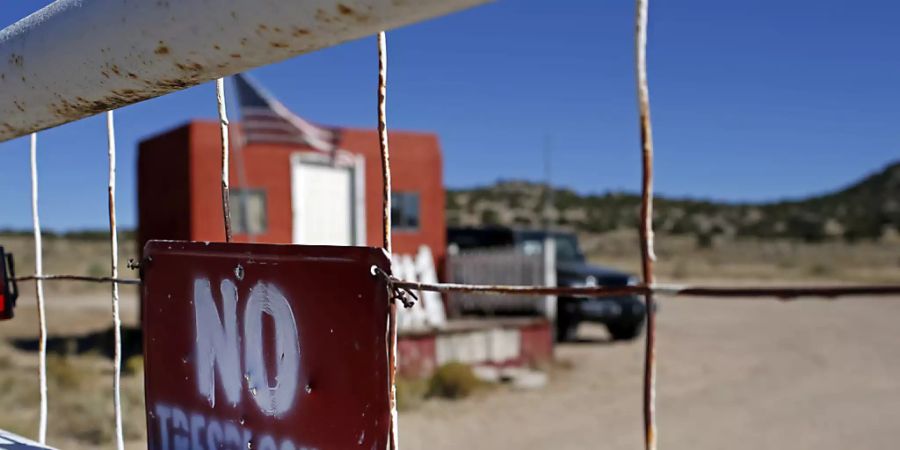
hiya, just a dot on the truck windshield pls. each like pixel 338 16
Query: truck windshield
pixel 566 247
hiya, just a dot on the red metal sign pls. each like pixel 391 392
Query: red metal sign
pixel 270 347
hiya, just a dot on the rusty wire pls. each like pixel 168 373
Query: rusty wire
pixel 114 271
pixel 386 229
pixel 646 228
pixel 729 292
pixel 782 293
pixel 223 131
pixel 78 278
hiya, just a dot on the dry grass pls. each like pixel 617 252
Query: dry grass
pixel 80 409
pixel 683 258
pixel 80 385
pixel 71 257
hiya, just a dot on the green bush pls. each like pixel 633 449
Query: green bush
pixel 453 381
pixel 410 392
pixel 134 365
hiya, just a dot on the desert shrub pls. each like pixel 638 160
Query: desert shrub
pixel 490 217
pixel 411 392
pixel 705 240
pixel 63 373
pixel 98 270
pixel 134 365
pixel 821 269
pixel 88 418
pixel 453 381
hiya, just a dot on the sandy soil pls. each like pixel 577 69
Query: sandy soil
pixel 732 374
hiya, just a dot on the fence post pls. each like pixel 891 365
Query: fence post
pixel 550 276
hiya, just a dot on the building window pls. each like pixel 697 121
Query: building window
pixel 255 220
pixel 405 211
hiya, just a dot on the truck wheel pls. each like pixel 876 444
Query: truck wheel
pixel 625 331
pixel 566 330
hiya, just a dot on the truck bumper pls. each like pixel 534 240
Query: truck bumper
pixel 611 309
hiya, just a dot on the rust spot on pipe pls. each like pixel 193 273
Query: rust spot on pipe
pixel 297 32
pixel 133 76
pixel 278 44
pixel 162 49
pixel 115 69
pixel 235 55
pixel 344 9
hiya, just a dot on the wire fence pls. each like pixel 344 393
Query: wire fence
pixel 404 291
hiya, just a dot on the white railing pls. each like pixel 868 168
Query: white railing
pixel 77 58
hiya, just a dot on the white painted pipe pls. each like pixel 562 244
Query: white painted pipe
pixel 77 58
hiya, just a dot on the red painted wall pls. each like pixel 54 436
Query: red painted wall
pixel 163 196
pixel 179 175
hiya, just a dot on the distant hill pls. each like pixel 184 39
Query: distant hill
pixel 868 209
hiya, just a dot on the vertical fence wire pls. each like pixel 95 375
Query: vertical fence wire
pixel 39 293
pixel 223 129
pixel 386 229
pixel 646 227
pixel 244 217
pixel 114 270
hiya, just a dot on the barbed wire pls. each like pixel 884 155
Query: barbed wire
pixel 78 278
pixel 776 292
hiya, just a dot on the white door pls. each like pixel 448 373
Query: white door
pixel 323 197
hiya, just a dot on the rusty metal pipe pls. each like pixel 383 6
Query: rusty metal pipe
pixel 646 227
pixel 76 58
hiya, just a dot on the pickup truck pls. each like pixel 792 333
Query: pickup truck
pixel 623 316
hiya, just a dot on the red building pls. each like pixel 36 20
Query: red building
pixel 288 188
pixel 296 194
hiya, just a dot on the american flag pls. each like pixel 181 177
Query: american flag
pixel 266 120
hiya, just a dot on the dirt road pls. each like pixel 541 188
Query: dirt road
pixel 732 374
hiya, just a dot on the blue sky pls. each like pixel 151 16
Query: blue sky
pixel 752 100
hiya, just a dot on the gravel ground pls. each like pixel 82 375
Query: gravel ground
pixel 732 374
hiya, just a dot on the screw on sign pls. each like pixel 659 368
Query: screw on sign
pixel 271 347
pixel 9 441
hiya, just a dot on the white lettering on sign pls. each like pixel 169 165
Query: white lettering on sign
pixel 217 348
pixel 277 399
pixel 185 430
pixel 217 341
pixel 429 311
